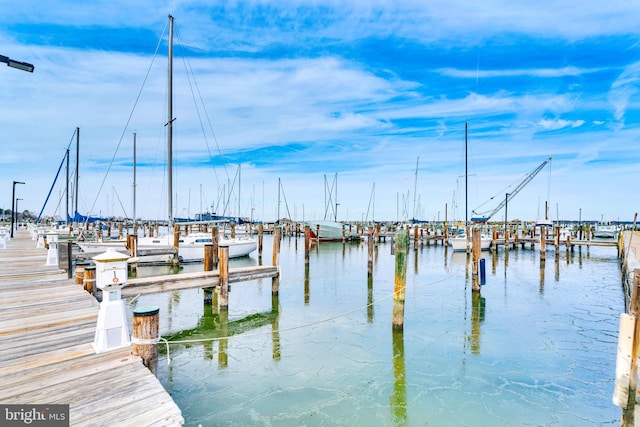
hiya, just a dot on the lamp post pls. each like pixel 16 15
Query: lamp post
pixel 17 211
pixel 24 66
pixel 13 205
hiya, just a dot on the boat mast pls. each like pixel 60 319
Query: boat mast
pixel 170 127
pixel 415 190
pixel 134 177
pixel 67 189
pixel 466 175
pixel 77 165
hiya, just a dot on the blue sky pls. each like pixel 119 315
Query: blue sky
pixel 326 97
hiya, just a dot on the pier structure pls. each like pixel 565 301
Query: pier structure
pixel 48 319
pixel 47 326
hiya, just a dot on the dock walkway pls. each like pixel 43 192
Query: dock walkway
pixel 47 327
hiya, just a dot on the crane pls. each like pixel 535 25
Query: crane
pixel 520 186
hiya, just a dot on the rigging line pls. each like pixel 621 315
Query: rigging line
pixel 120 201
pixel 190 73
pixel 124 130
pixel 305 325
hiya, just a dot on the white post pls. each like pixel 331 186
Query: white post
pixel 52 252
pixel 111 277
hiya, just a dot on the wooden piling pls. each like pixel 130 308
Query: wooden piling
pixel 208 257
pixel 260 237
pixel 307 243
pixel 543 243
pixel 89 280
pixel 224 278
pixel 370 251
pixel 144 337
pixel 275 281
pixel 214 249
pixel 628 413
pixel 400 280
pixel 176 236
pixel 475 247
pixel 80 272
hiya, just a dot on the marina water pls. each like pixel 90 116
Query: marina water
pixel 536 347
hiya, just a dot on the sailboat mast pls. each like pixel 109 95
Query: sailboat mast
pixel 170 126
pixel 67 190
pixel 134 177
pixel 466 175
pixel 77 166
pixel 415 190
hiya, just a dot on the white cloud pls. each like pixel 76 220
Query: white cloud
pixel 555 124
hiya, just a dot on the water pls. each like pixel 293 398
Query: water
pixel 537 348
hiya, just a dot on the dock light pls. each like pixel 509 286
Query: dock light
pixel 13 205
pixel 24 66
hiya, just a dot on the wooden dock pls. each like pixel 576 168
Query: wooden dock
pixel 47 327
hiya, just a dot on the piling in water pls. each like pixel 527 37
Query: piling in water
pixel 275 281
pixel 400 280
pixel 224 278
pixel 144 337
pixel 475 246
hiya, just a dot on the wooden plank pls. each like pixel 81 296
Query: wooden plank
pixel 66 374
pixel 45 320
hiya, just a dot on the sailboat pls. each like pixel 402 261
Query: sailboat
pixel 460 241
pixel 191 247
pixel 331 230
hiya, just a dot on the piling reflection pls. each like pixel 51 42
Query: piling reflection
pixel 214 326
pixel 275 327
pixel 494 262
pixel 370 299
pixel 542 265
pixel 398 399
pixel 306 284
pixel 478 309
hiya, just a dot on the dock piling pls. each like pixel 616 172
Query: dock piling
pixel 400 279
pixel 144 338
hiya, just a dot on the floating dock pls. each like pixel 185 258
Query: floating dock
pixel 47 327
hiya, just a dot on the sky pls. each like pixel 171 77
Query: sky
pixel 347 110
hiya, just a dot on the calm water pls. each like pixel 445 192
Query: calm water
pixel 537 348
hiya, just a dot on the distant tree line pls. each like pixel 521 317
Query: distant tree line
pixel 25 215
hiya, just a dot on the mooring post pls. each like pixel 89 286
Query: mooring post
pixel 260 237
pixel 400 279
pixel 307 243
pixel 543 243
pixel 275 281
pixel 80 265
pixel 475 247
pixel 208 257
pixel 370 251
pixel 144 337
pixel 214 249
pixel 89 280
pixel 224 278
